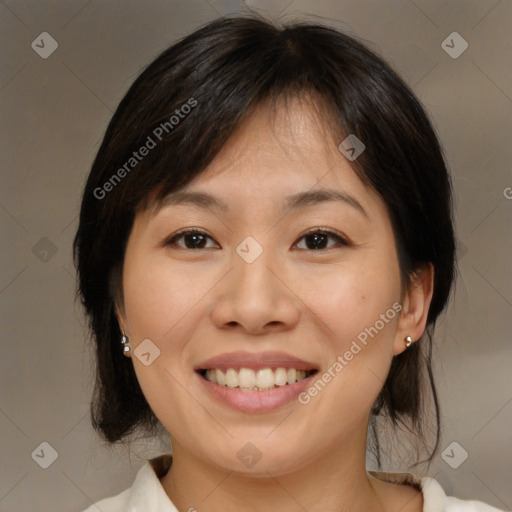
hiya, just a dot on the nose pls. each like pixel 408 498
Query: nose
pixel 256 298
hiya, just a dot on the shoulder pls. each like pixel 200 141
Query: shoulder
pixel 435 500
pixel 146 493
pixel 117 503
pixel 409 493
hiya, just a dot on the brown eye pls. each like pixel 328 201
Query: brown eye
pixel 191 239
pixel 319 239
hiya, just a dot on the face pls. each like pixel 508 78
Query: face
pixel 289 279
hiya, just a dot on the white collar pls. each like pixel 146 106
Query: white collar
pixel 148 495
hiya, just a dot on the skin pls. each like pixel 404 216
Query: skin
pixel 198 303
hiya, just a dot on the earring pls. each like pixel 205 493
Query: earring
pixel 126 346
pixel 408 342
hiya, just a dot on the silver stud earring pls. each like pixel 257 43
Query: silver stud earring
pixel 125 344
pixel 408 342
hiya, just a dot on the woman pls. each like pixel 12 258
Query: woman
pixel 265 244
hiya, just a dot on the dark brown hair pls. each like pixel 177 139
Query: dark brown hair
pixel 222 71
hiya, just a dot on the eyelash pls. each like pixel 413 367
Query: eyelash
pixel 341 241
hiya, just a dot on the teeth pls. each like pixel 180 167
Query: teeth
pixel 231 378
pixel 280 377
pixel 265 378
pixel 220 377
pixel 247 379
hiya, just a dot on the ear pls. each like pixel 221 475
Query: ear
pixel 415 306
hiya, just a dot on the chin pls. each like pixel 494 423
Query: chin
pixel 258 458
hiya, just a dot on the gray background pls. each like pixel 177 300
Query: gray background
pixel 53 114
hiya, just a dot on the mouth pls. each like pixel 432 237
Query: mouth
pixel 249 379
pixel 255 382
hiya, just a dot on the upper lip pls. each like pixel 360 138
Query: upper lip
pixel 256 361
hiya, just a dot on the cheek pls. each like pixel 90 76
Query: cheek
pixel 164 303
pixel 357 310
pixel 159 295
pixel 351 299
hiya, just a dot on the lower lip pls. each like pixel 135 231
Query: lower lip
pixel 256 401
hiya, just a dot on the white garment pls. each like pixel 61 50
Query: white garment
pixel 147 494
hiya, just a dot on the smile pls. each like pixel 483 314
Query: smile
pixel 247 379
pixel 255 382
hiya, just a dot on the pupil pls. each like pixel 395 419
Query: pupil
pixel 318 241
pixel 197 240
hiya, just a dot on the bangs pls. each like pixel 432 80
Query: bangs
pixel 200 93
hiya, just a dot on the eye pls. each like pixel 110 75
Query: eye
pixel 315 239
pixel 192 239
pixel 318 239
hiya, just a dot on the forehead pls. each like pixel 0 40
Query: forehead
pixel 293 129
pixel 290 146
pixel 275 163
pixel 279 151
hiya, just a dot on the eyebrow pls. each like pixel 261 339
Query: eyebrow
pixel 303 199
pixel 294 201
pixel 201 199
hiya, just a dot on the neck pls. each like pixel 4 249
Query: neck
pixel 336 481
